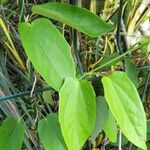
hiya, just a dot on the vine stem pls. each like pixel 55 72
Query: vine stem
pixel 131 49
pixel 109 62
pixel 118 36
pixel 33 86
pixel 120 140
pixel 146 86
pixel 75 43
pixel 25 93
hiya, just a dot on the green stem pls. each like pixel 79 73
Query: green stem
pixel 118 36
pixel 75 43
pixel 21 94
pixel 115 59
pixel 111 61
pixel 146 87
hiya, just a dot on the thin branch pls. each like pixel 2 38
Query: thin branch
pixel 26 93
pixel 118 36
pixel 146 86
pixel 75 43
pixel 33 86
pixel 120 140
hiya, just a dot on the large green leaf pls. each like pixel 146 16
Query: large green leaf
pixel 50 133
pixel 77 112
pixel 11 134
pixel 48 51
pixel 126 106
pixel 76 17
pixel 101 116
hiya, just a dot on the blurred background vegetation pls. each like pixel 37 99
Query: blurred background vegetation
pixel 18 79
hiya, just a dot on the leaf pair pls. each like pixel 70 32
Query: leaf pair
pixel 53 60
pixel 76 117
pixel 126 107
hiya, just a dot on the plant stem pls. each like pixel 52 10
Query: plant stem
pixel 126 45
pixel 120 139
pixel 146 86
pixel 144 67
pixel 75 47
pixel 115 59
pixel 75 43
pixel 118 36
pixel 21 10
pixel 21 94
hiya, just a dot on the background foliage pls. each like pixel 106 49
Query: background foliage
pixel 31 99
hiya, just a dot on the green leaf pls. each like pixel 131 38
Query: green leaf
pixel 47 96
pixel 147 144
pixel 11 134
pixel 48 51
pixel 76 17
pixel 110 128
pixel 77 112
pixel 131 71
pixel 101 116
pixel 126 106
pixel 50 133
pixel 145 44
